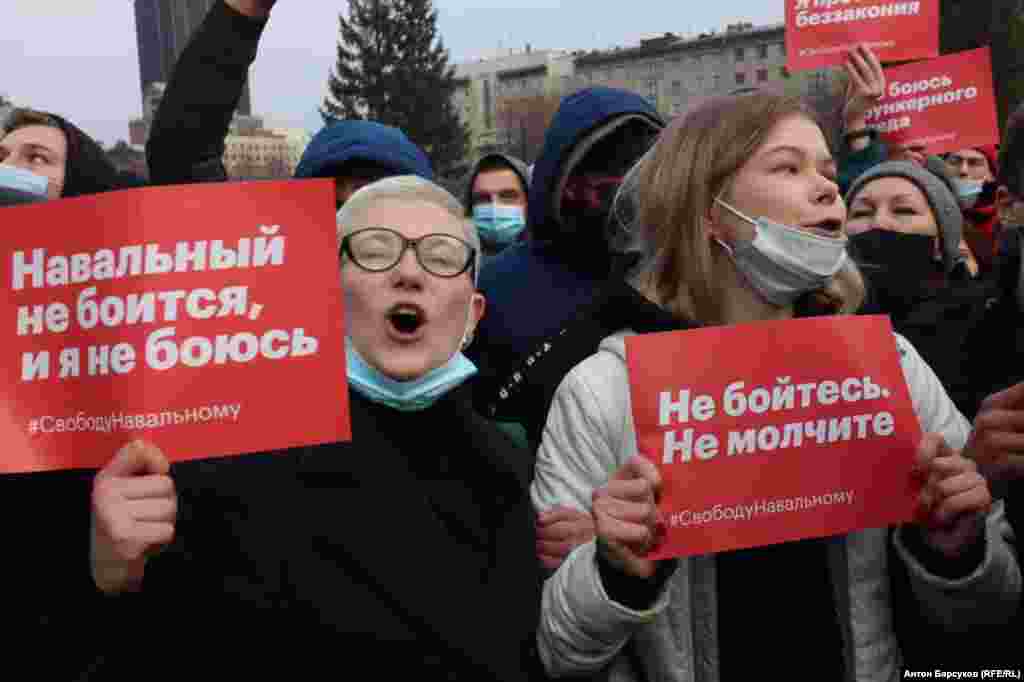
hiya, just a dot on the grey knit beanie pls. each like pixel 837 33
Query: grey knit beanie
pixel 943 202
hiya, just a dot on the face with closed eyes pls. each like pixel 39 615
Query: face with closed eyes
pixel 404 320
pixel 893 204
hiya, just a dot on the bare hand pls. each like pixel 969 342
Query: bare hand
pixel 252 8
pixel 954 498
pixel 559 531
pixel 865 86
pixel 626 517
pixel 998 428
pixel 134 508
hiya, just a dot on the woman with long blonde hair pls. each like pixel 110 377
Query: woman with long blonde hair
pixel 740 219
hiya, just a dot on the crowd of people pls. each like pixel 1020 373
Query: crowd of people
pixel 492 516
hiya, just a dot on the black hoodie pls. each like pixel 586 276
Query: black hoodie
pixel 88 170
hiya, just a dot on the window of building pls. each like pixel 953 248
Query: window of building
pixel 716 82
pixel 782 49
pixel 762 75
pixel 677 88
pixel 741 78
pixel 740 53
pixel 763 52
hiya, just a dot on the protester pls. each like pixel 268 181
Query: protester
pixel 394 549
pixel 43 157
pixel 736 247
pixel 595 137
pixel 187 140
pixel 973 172
pixel 865 85
pixel 55 158
pixel 496 196
pixel 906 228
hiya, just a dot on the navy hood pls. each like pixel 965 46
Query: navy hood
pixel 344 141
pixel 88 170
pixel 579 116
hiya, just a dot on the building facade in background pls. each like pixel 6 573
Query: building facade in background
pixel 508 102
pixel 264 154
pixel 675 73
pixel 489 93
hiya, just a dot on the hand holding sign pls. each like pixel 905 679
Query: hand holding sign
pixel 559 531
pixel 954 499
pixel 134 508
pixel 626 517
pixel 865 86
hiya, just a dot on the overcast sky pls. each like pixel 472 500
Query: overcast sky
pixel 79 57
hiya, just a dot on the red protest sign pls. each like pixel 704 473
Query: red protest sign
pixel 819 33
pixel 942 104
pixel 206 319
pixel 774 431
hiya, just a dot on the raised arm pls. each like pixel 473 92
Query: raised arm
pixel 186 143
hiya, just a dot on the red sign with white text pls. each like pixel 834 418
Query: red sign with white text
pixel 820 33
pixel 942 104
pixel 774 431
pixel 206 319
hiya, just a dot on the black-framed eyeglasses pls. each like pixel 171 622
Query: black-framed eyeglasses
pixel 377 249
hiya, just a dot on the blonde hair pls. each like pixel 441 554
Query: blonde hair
pixel 407 188
pixel 673 189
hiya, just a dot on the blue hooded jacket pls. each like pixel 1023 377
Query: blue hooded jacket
pixel 343 141
pixel 534 288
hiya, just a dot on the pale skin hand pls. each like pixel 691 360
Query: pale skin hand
pixel 134 508
pixel 954 499
pixel 865 87
pixel 626 517
pixel 559 531
pixel 258 9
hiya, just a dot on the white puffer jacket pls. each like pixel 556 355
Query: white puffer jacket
pixel 590 434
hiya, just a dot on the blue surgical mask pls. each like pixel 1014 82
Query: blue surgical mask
pixel 12 177
pixel 968 191
pixel 499 224
pixel 406 396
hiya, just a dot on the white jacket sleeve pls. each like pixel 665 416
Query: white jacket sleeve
pixel 581 628
pixel 991 593
pixel 582 445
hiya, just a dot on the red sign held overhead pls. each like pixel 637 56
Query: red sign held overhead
pixel 941 104
pixel 820 33
pixel 774 431
pixel 204 318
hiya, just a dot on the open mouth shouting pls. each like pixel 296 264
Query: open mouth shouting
pixel 406 321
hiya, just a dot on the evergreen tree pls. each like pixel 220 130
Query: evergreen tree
pixel 393 68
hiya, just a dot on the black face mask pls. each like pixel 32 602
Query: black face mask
pixel 894 251
pixel 898 267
